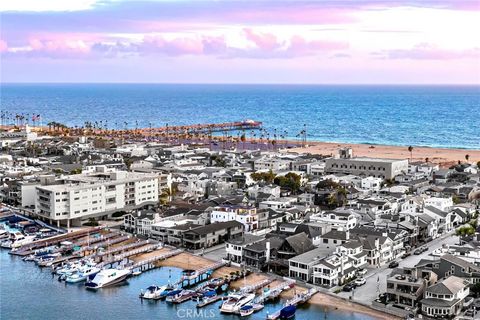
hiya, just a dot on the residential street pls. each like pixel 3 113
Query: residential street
pixel 369 291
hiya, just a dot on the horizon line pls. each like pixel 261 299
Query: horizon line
pixel 253 83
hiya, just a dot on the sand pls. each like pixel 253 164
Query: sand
pixel 330 302
pixel 441 156
pixel 189 261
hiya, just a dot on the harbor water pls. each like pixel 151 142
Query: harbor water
pixel 29 292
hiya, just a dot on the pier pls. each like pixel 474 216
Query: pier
pixel 149 261
pixel 255 287
pixel 199 275
pixel 120 257
pixel 275 292
pixel 298 299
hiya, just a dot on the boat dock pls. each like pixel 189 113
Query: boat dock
pixel 209 301
pixel 149 262
pixel 199 275
pixel 121 256
pixel 298 299
pixel 275 292
pixel 255 287
pixel 28 248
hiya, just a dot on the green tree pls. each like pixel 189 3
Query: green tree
pixel 475 289
pixel 467 156
pixel 410 149
pixel 267 177
pixel 455 199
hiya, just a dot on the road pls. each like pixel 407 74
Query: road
pixel 369 291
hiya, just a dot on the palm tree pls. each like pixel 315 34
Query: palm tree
pixel 427 159
pixel 410 149
pixel 467 156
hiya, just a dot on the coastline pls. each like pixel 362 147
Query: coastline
pixel 444 157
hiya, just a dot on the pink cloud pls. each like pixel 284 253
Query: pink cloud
pixel 299 46
pixel 3 46
pixel 264 41
pixel 424 51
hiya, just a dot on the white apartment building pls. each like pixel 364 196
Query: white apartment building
pixel 91 195
pixel 273 164
pixel 363 166
pixel 244 214
pixel 337 220
pixel 444 204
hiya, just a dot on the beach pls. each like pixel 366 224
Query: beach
pixel 442 156
pixel 329 301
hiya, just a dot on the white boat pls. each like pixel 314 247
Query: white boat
pixel 235 301
pixel 108 277
pixel 22 241
pixel 153 292
pixel 82 274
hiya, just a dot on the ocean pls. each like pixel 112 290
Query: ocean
pixel 29 292
pixel 435 116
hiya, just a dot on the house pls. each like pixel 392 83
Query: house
pixel 406 286
pixel 234 247
pixel 246 215
pixel 301 266
pixel 338 219
pixel 212 234
pixel 340 266
pixel 445 298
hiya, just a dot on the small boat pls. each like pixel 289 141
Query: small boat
pixel 209 297
pixel 249 309
pixel 136 273
pixel 179 296
pixel 107 278
pixel 152 292
pixel 288 312
pixel 82 274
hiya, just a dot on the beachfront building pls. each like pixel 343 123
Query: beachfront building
pixel 246 215
pixel 82 196
pixel 445 298
pixel 363 166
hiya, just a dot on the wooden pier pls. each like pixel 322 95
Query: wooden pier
pixel 206 128
pixel 121 248
pixel 276 291
pixel 153 259
pixel 199 275
pixel 255 287
pixel 298 299
pixel 120 257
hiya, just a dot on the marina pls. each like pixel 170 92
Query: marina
pixel 99 259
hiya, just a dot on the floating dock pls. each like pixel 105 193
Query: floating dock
pixel 274 292
pixel 155 258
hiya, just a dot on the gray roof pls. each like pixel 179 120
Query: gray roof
pixel 312 257
pixel 335 234
pixel 437 211
pixel 450 285
pixel 439 302
pixel 245 240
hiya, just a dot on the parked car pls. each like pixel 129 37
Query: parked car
pixel 417 252
pixel 360 282
pixel 406 254
pixel 393 264
pixel 348 287
pixel 361 272
pixel 470 313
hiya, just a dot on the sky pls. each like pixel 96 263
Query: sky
pixel 250 41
